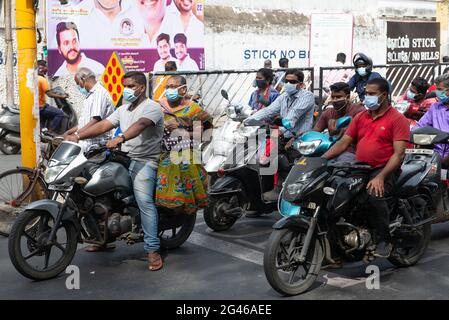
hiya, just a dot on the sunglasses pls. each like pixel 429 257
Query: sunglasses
pixel 292 81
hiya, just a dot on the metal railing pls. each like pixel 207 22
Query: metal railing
pixel 400 76
pixel 207 85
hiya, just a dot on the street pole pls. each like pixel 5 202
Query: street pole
pixel 9 55
pixel 29 111
pixel 443 19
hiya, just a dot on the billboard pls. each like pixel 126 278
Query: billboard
pixel 413 42
pixel 144 33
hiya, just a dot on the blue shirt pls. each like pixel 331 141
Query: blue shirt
pixel 297 109
pixel 254 100
pixel 437 117
pixel 359 83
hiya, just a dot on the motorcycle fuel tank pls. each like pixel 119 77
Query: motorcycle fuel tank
pixel 110 177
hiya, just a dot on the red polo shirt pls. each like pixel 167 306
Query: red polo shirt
pixel 374 137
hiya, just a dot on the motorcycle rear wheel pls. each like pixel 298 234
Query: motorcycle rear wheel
pixel 8 148
pixel 279 259
pixel 213 215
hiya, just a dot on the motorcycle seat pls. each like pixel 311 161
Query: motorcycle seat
pixel 350 165
pixel 11 109
pixel 409 171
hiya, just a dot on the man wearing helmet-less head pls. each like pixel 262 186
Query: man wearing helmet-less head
pixel 364 73
pixel 381 135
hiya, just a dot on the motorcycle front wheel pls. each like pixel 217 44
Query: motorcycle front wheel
pixel 29 250
pixel 174 236
pixel 282 269
pixel 8 148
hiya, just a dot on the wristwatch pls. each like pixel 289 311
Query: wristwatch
pixel 121 135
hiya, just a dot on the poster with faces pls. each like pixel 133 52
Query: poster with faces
pixel 146 34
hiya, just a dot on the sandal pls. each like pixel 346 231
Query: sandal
pixel 154 261
pixel 97 248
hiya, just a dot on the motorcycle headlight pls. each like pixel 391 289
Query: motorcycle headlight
pixel 51 173
pixel 295 188
pixel 308 148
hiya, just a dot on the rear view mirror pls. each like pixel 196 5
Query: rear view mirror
pixel 224 94
pixel 343 122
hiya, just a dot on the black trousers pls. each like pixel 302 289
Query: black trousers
pixel 378 210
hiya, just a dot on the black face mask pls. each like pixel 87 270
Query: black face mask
pixel 340 105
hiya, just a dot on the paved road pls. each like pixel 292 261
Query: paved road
pixel 225 265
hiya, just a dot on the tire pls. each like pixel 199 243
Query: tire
pixel 15 251
pixel 181 235
pixel 8 148
pixel 10 176
pixel 270 263
pixel 402 259
pixel 212 214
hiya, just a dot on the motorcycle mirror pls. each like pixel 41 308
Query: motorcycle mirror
pixel 343 122
pixel 224 94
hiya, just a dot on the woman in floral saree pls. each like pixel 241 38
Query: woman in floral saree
pixel 181 179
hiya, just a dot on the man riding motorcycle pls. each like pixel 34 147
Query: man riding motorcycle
pixel 416 96
pixel 364 72
pixel 438 116
pixel 381 135
pixel 295 111
pixel 142 125
pixel 340 107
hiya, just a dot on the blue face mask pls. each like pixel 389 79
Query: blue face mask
pixel 372 102
pixel 83 91
pixel 411 95
pixel 172 94
pixel 129 95
pixel 442 96
pixel 290 88
pixel 362 72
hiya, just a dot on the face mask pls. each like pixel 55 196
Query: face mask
pixel 83 91
pixel 261 84
pixel 290 88
pixel 411 95
pixel 129 95
pixel 362 72
pixel 339 105
pixel 172 94
pixel 372 102
pixel 442 96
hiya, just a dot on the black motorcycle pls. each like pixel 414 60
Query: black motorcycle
pixel 10 142
pixel 98 208
pixel 324 219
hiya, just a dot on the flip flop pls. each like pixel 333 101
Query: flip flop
pixel 154 261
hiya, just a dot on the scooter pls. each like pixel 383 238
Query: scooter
pixel 217 150
pixel 412 110
pixel 10 142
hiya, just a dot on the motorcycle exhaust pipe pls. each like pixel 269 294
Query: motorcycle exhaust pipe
pixel 234 212
pixel 13 138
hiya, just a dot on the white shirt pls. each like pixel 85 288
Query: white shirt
pixel 85 62
pixel 335 76
pixel 187 65
pixel 98 103
pixel 159 66
pixel 98 31
pixel 194 31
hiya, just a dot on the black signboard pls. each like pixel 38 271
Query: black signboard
pixel 413 42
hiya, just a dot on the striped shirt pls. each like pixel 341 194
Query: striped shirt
pixel 297 109
pixel 98 103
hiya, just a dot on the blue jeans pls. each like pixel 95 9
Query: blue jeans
pixel 53 115
pixel 144 183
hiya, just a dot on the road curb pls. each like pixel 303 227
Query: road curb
pixel 8 215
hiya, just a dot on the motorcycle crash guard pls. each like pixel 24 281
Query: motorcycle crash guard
pixel 226 185
pixel 296 222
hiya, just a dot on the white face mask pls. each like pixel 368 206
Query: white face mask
pixel 290 88
pixel 362 71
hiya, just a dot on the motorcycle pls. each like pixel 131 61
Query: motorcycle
pixel 216 151
pixel 324 219
pixel 98 208
pixel 10 142
pixel 412 110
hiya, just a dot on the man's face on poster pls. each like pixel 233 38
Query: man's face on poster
pixel 163 48
pixel 151 9
pixel 69 46
pixel 184 5
pixel 180 50
pixel 108 4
